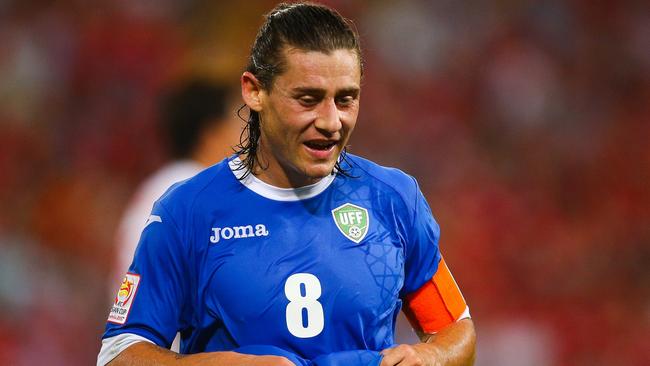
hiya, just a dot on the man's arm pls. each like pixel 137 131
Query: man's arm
pixel 453 345
pixel 440 316
pixel 146 354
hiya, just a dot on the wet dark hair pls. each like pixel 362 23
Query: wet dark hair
pixel 305 26
pixel 186 110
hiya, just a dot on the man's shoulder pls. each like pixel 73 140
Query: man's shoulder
pixel 186 191
pixel 162 179
pixel 389 176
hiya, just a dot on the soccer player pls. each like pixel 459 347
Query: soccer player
pixel 292 251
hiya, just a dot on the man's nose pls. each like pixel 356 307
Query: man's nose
pixel 328 119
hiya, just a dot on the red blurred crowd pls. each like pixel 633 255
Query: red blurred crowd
pixel 526 124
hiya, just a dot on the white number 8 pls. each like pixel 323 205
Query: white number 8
pixel 315 319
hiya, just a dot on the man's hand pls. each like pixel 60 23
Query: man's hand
pixel 272 361
pixel 145 354
pixel 283 357
pixel 266 361
pixel 411 355
pixel 453 345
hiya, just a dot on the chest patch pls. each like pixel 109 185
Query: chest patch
pixel 352 221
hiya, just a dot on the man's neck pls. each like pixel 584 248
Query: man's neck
pixel 273 173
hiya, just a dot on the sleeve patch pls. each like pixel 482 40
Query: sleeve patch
pixel 124 299
pixel 437 303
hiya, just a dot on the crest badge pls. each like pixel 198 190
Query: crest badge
pixel 352 221
pixel 124 299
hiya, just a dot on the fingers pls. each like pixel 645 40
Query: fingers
pixel 402 355
pixel 391 357
pixel 270 361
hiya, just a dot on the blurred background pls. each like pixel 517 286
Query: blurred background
pixel 526 124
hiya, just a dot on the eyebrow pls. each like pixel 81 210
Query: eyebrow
pixel 354 91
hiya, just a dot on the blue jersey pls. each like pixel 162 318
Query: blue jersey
pixel 231 262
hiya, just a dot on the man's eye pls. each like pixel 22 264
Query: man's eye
pixel 307 100
pixel 347 100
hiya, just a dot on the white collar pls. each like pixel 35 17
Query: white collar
pixel 276 193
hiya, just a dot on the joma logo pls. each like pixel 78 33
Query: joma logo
pixel 237 232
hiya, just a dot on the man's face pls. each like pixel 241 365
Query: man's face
pixel 307 116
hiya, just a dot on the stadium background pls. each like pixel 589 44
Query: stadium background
pixel 526 124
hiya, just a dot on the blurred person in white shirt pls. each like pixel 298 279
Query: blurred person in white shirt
pixel 199 130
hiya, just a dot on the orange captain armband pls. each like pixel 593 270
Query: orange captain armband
pixel 437 303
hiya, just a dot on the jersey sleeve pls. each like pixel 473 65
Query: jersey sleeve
pixel 153 294
pixel 432 299
pixel 421 250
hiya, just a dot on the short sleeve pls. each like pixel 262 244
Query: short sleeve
pixel 153 294
pixel 432 297
pixel 422 254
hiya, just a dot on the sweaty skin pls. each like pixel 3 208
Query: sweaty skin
pixel 147 354
pixel 454 345
pixel 314 102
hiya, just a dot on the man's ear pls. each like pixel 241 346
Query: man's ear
pixel 250 91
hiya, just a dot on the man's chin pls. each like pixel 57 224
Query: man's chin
pixel 320 171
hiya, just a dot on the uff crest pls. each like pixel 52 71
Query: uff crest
pixel 352 221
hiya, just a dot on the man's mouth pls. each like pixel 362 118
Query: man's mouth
pixel 320 145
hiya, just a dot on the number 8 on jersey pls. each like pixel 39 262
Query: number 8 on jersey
pixel 314 321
